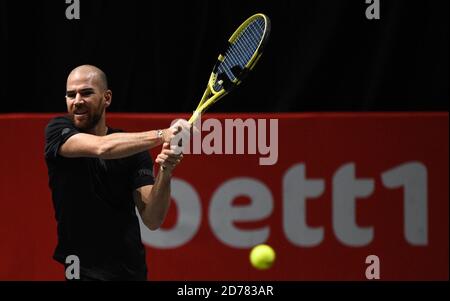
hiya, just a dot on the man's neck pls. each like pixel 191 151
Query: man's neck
pixel 100 129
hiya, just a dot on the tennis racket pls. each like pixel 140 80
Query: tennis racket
pixel 242 52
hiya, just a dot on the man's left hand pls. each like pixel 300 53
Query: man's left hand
pixel 169 157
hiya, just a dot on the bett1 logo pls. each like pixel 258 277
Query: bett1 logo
pixel 297 190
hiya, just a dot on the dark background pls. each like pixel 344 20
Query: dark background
pixel 322 55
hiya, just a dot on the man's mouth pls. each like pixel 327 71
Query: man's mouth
pixel 80 112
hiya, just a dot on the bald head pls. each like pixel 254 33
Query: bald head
pixel 90 75
pixel 87 97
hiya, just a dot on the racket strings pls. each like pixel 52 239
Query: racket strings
pixel 241 51
pixel 238 55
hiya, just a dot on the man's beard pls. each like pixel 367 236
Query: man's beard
pixel 91 121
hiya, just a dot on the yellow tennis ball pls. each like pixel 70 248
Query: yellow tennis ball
pixel 262 257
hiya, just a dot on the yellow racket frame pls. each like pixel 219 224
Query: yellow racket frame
pixel 207 100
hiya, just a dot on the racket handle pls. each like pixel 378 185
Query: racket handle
pixel 180 143
pixel 194 117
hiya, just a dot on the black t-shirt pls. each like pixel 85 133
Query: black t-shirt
pixel 94 207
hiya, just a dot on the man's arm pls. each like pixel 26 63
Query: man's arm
pixel 118 145
pixel 153 201
pixel 114 146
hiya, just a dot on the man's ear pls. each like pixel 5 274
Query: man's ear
pixel 108 98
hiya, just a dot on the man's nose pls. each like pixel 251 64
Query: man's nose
pixel 78 99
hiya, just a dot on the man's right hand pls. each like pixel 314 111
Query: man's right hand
pixel 181 127
pixel 169 134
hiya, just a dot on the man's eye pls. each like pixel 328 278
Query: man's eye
pixel 70 95
pixel 86 93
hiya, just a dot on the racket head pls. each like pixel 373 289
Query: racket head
pixel 243 50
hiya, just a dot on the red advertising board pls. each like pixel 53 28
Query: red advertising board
pixel 337 188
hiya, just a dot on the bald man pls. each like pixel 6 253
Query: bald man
pixel 99 175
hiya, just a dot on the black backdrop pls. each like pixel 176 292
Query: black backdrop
pixel 322 56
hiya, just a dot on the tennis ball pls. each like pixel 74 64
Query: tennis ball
pixel 262 257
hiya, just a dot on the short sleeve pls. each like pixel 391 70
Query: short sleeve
pixel 57 132
pixel 142 173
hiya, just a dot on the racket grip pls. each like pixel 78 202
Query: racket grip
pixel 194 117
pixel 180 143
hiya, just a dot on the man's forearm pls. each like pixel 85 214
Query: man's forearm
pixel 120 145
pixel 159 200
